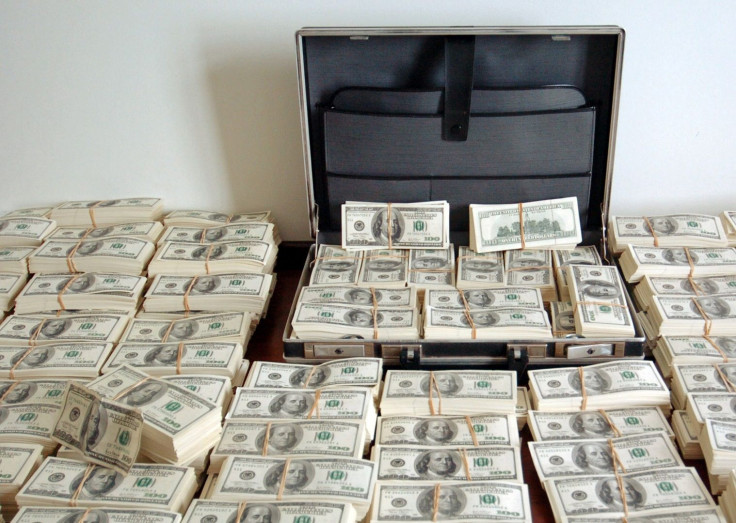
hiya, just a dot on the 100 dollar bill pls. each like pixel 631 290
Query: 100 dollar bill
pixel 401 225
pixel 459 431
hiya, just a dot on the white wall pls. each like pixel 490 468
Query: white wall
pixel 196 102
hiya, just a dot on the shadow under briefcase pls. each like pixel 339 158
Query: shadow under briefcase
pixel 468 115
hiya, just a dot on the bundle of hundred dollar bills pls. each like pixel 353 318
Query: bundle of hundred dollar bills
pixel 308 511
pixel 88 291
pixel 142 230
pixel 651 286
pixel 179 424
pixel 67 360
pixel 323 321
pixel 19 329
pixel 423 225
pixel 216 293
pixel 478 430
pixel 101 514
pixel 253 231
pixel 339 404
pixel 701 377
pixel 681 262
pixel 119 254
pixel 194 218
pixel 25 231
pixel 220 327
pixel 718 443
pixel 671 230
pixel 728 499
pixel 451 501
pixel 350 372
pixel 17 462
pixel 107 212
pixel 448 392
pixel 691 316
pixel 14 260
pixel 546 223
pixel 604 385
pixel 191 259
pixel 10 286
pixel 64 482
pixel 342 480
pixel 673 350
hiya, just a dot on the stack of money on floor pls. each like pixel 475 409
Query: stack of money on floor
pixel 445 442
pixel 135 391
pixel 395 276
pixel 299 433
pixel 603 447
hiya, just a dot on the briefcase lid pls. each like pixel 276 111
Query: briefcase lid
pixel 464 114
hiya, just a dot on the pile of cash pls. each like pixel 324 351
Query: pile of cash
pixel 423 225
pixel 267 512
pixel 27 231
pixel 142 230
pixel 671 230
pixel 423 393
pixel 676 262
pixel 451 501
pixel 599 301
pixel 192 259
pixel 179 425
pixel 600 386
pixel 119 254
pixel 191 357
pixel 348 372
pixel 102 514
pixel 65 482
pixel 215 292
pixel 17 462
pixel 341 480
pixel 673 350
pixel 89 291
pixel 608 423
pixel 545 223
pixel 107 212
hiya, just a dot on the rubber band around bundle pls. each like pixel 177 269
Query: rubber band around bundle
pixel 708 323
pixel 7 391
pixel 433 385
pixel 36 333
pixel 610 422
pixel 168 331
pixel 471 429
pixel 17 364
pixel 315 405
pixel 204 235
pixel 92 212
pixel 696 288
pixel 179 354
pixel 64 289
pixel 468 316
pixel 651 230
pixel 730 387
pixel 186 293
pixel 309 377
pixel 615 458
pixel 689 262
pixel 282 485
pixel 622 492
pixel 436 501
pixel 716 347
pixel 584 393
pixel 131 387
pixel 241 509
pixel 207 259
pixel 464 457
pixel 84 515
pixel 87 472
pixel 389 225
pixel 521 224
pixel 264 449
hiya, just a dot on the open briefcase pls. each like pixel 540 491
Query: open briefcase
pixel 467 115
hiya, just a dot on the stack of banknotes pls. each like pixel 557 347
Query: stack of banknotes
pixel 599 301
pixel 104 514
pixel 728 220
pixel 17 462
pixel 120 254
pixel 727 500
pixel 547 223
pixel 141 230
pixel 28 231
pixel 424 393
pixel 687 434
pixel 26 330
pixel 691 316
pixel 368 225
pixel 14 260
pixel 10 285
pixel 192 258
pixel 676 262
pixel 604 385
pixel 646 291
pixel 107 212
pixel 81 360
pixel 672 230
pixel 195 218
pixel 242 291
pixel 673 350
pixel 310 511
pixel 60 482
pixel 179 425
pixel 220 327
pixel 690 378
pixel 87 291
pixel 718 441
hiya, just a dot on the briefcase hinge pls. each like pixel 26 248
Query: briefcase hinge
pixel 533 350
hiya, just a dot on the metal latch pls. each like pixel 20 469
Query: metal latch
pixel 533 350
pixel 337 350
pixel 589 351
